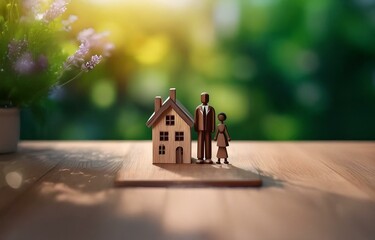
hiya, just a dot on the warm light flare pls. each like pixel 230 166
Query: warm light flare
pixel 152 50
pixel 168 3
pixel 14 179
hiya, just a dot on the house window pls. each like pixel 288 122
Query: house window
pixel 169 120
pixel 161 150
pixel 179 136
pixel 163 136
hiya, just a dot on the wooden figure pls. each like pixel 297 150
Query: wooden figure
pixel 171 135
pixel 204 125
pixel 222 137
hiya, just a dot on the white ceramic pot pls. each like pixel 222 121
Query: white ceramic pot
pixel 9 129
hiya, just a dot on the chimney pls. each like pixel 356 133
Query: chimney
pixel 172 94
pixel 157 103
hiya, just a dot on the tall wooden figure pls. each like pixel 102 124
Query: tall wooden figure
pixel 204 124
pixel 222 137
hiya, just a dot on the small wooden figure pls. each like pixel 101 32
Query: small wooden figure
pixel 204 125
pixel 171 136
pixel 222 137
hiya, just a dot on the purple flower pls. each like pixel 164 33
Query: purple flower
pixel 16 48
pixel 85 34
pixel 41 63
pixel 107 49
pixel 95 60
pixel 57 8
pixel 32 6
pixel 93 43
pixel 96 40
pixel 68 22
pixel 78 57
pixel 25 64
pixel 22 60
pixel 90 42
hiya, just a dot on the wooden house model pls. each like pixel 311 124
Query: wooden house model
pixel 171 135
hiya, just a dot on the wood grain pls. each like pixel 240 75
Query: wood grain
pixel 303 198
pixel 170 145
pixel 138 171
pixel 311 190
pixel 19 171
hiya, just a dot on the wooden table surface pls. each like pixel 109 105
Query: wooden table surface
pixel 311 190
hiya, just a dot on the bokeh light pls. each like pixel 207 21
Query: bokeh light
pixel 280 69
pixel 14 179
pixel 103 93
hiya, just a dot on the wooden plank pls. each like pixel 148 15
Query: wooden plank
pixel 289 162
pixel 197 213
pixel 76 199
pixel 138 171
pixel 20 170
pixel 293 212
pixel 354 161
pixel 301 197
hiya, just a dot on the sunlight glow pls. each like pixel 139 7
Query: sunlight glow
pixel 168 3
pixel 153 50
pixel 65 193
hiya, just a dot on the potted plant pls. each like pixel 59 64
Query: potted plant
pixel 33 60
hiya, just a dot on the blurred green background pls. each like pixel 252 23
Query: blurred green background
pixel 280 69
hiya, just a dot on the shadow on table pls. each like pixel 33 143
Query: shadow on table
pixel 70 196
pixel 268 180
pixel 88 169
pixel 26 166
pixel 47 217
pixel 219 172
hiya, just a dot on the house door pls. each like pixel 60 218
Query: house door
pixel 179 155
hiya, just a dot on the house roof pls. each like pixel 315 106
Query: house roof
pixel 175 105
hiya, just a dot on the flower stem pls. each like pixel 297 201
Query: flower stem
pixel 78 74
pixel 41 91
